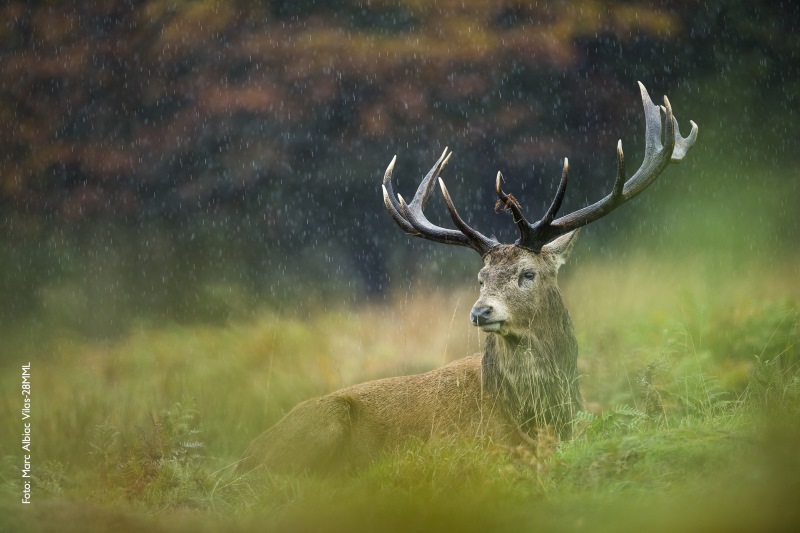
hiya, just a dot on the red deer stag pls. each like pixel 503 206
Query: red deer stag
pixel 526 377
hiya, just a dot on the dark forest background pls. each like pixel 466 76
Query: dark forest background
pixel 190 160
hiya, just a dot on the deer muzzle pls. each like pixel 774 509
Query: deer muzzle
pixel 486 317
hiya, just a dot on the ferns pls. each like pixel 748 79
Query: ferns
pixel 103 445
pixel 618 420
pixel 181 425
pixel 164 466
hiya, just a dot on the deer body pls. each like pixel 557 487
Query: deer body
pixel 525 380
pixel 355 424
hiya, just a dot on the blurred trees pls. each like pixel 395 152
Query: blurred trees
pixel 275 119
pixel 130 109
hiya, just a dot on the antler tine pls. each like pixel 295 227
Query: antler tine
pixel 390 201
pixel 559 197
pixel 683 144
pixel 481 243
pixel 619 183
pixel 428 182
pixel 511 203
pixel 412 220
pixel 656 155
pixel 663 144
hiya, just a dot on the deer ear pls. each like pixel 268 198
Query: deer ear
pixel 561 248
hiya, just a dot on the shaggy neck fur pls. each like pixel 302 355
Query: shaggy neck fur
pixel 535 376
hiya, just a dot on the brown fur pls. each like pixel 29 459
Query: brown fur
pixel 525 379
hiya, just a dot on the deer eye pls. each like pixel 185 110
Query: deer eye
pixel 527 275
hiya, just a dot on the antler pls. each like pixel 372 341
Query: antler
pixel 656 158
pixel 663 145
pixel 412 220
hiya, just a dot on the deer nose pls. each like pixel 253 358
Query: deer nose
pixel 481 315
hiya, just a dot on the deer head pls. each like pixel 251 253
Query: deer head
pixel 518 280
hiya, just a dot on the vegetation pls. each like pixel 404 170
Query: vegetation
pixel 192 241
pixel 694 404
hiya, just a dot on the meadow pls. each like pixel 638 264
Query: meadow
pixel 692 417
pixel 688 323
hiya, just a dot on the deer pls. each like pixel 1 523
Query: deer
pixel 525 381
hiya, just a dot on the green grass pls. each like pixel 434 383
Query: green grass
pixel 692 418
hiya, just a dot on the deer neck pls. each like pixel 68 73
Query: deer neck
pixel 535 376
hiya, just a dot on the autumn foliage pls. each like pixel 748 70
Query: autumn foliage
pixel 130 109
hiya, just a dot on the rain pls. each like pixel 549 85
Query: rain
pixel 194 239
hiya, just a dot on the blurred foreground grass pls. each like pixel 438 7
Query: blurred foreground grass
pixel 692 420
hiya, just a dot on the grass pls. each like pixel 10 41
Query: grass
pixel 692 420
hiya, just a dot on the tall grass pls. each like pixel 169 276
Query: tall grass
pixel 693 404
